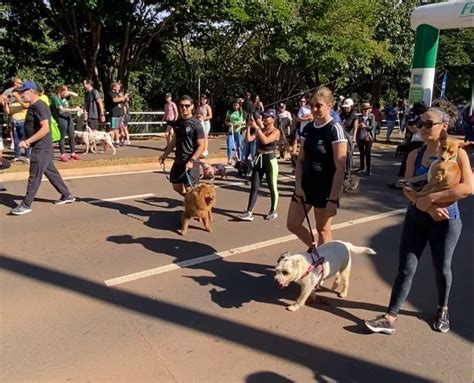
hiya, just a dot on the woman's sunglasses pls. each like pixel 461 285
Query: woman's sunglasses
pixel 182 106
pixel 428 124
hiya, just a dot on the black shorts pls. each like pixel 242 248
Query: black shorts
pixel 93 123
pixel 178 174
pixel 317 190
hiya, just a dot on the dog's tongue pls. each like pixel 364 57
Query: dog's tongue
pixel 281 286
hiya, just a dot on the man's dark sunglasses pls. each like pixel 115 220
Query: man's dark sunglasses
pixel 185 106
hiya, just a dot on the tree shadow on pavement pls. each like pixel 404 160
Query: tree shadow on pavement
pixel 322 362
pixel 162 220
pixel 267 377
pixel 423 293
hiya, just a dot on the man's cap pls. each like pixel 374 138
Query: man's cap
pixel 270 113
pixel 168 95
pixel 27 85
pixel 348 103
pixel 366 105
pixel 281 105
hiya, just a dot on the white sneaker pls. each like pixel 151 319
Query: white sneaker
pixel 247 216
pixel 271 216
pixel 205 153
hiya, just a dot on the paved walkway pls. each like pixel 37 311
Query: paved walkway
pixel 105 290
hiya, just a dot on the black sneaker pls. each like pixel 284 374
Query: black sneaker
pixel 380 324
pixel 441 323
pixel 64 200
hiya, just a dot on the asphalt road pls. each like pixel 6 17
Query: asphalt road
pixel 105 290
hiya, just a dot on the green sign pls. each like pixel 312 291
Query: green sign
pixel 468 9
pixel 416 95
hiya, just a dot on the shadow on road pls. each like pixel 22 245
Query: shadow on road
pixel 320 361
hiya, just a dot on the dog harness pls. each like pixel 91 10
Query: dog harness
pixel 317 263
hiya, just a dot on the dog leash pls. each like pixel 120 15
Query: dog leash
pixel 188 178
pixel 317 259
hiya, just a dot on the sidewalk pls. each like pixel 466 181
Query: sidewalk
pixel 142 154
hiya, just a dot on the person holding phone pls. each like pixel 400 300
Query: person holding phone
pixel 266 134
pixel 364 129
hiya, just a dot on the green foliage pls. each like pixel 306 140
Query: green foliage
pixel 276 48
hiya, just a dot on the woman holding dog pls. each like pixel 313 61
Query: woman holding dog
pixel 266 134
pixel 432 219
pixel 319 171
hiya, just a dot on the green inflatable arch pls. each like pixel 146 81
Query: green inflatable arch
pixel 428 20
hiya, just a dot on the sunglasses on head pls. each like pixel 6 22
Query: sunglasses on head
pixel 428 124
pixel 185 106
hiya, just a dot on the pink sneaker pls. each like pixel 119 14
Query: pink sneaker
pixel 63 158
pixel 74 156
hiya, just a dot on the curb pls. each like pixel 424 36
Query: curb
pixel 97 170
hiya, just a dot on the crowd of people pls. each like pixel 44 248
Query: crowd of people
pixel 320 134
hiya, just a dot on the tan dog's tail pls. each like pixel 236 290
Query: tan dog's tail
pixel 360 250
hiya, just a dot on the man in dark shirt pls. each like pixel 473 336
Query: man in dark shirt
pixel 188 139
pixel 93 106
pixel 37 127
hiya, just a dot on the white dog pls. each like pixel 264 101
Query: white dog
pixel 310 269
pixel 90 138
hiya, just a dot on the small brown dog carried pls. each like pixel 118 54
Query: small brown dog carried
pixel 198 203
pixel 443 174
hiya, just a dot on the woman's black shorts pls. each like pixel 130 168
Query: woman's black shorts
pixel 317 190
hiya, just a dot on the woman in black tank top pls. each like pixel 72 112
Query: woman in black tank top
pixel 267 136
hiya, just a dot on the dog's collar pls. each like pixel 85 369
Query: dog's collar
pixel 317 262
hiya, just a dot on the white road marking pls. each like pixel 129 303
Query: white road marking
pixel 122 198
pixel 248 181
pixel 239 250
pixel 372 154
pixel 107 174
pixel 96 201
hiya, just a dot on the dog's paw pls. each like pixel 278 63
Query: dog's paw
pixel 342 294
pixel 293 308
pixel 181 232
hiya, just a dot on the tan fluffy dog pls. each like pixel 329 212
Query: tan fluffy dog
pixel 443 174
pixel 198 203
pixel 336 260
